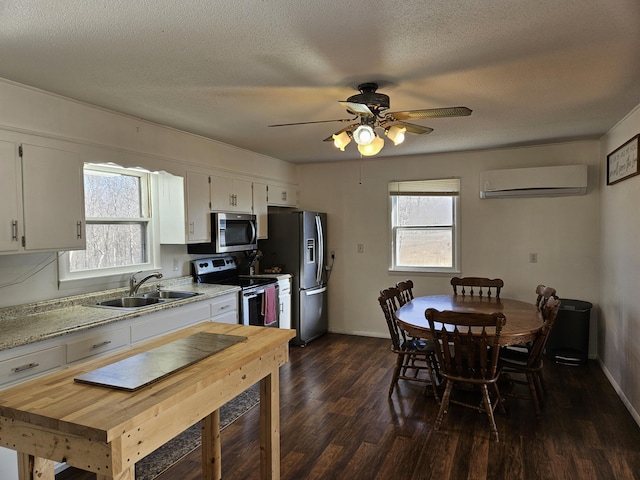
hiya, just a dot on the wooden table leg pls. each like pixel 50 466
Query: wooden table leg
pixel 211 456
pixel 270 426
pixel 30 467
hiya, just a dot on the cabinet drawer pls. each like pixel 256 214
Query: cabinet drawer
pixel 230 317
pixel 97 344
pixel 25 366
pixel 173 319
pixel 224 305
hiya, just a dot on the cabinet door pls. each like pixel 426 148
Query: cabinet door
pixel 230 195
pixel 198 217
pixel 222 194
pixel 243 196
pixel 283 196
pixel 260 209
pixel 285 310
pixel 10 211
pixel 171 209
pixel 53 199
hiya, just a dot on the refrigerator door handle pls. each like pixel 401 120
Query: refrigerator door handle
pixel 316 291
pixel 320 258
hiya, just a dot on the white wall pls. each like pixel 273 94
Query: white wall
pixel 619 329
pixel 32 116
pixel 496 235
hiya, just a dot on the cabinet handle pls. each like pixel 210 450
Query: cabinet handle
pixel 102 344
pixel 14 230
pixel 231 199
pixel 224 307
pixel 79 230
pixel 28 366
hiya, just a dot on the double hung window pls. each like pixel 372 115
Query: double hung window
pixel 118 224
pixel 424 225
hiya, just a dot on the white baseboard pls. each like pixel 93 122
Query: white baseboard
pixel 620 393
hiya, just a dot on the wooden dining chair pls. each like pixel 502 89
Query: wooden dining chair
pixel 543 294
pixel 405 289
pixel 413 356
pixel 467 347
pixel 483 286
pixel 529 363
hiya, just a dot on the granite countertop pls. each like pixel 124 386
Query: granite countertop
pixel 34 322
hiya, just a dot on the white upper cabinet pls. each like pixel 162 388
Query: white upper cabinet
pixel 198 201
pixel 53 198
pixel 282 196
pixel 260 209
pixel 230 195
pixel 47 187
pixel 11 205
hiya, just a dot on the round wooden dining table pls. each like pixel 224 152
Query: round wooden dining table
pixel 523 320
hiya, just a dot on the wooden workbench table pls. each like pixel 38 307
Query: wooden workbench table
pixel 106 431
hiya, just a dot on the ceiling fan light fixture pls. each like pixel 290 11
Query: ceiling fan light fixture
pixel 364 135
pixel 372 148
pixel 396 134
pixel 341 140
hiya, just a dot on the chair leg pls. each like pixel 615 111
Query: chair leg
pixel 499 399
pixel 539 387
pixel 432 376
pixel 489 409
pixel 533 392
pixel 396 373
pixel 443 405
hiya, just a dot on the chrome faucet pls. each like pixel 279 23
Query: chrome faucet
pixel 134 285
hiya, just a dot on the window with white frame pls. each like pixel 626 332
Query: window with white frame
pixel 424 225
pixel 118 224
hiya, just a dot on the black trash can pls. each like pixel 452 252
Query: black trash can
pixel 568 342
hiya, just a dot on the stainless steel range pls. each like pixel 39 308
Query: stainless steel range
pixel 259 304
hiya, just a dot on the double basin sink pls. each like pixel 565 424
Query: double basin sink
pixel 145 300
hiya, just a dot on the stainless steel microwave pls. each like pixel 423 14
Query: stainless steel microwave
pixel 230 232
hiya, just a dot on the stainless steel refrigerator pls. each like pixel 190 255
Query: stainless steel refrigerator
pixel 297 244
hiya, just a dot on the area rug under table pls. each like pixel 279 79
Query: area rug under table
pixel 171 452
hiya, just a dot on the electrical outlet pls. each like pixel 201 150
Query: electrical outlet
pixel 333 253
pixel 360 248
pixel 533 258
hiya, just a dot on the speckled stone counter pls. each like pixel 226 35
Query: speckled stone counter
pixel 34 322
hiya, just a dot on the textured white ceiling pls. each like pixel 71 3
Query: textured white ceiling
pixel 531 71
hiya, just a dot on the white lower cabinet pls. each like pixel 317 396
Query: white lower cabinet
pixel 97 343
pixel 224 309
pixel 22 367
pixel 156 324
pixel 284 295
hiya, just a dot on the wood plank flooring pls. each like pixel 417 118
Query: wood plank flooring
pixel 337 422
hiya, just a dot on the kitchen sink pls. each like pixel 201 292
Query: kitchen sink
pixel 144 300
pixel 169 294
pixel 128 302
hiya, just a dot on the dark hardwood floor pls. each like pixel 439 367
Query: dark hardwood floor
pixel 338 423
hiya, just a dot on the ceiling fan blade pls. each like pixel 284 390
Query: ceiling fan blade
pixel 350 128
pixel 413 128
pixel 307 123
pixel 431 113
pixel 357 108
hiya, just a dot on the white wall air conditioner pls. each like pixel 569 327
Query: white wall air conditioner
pixel 557 181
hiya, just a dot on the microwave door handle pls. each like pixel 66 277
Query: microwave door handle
pixel 254 232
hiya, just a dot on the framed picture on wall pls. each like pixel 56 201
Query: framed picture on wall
pixel 622 163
